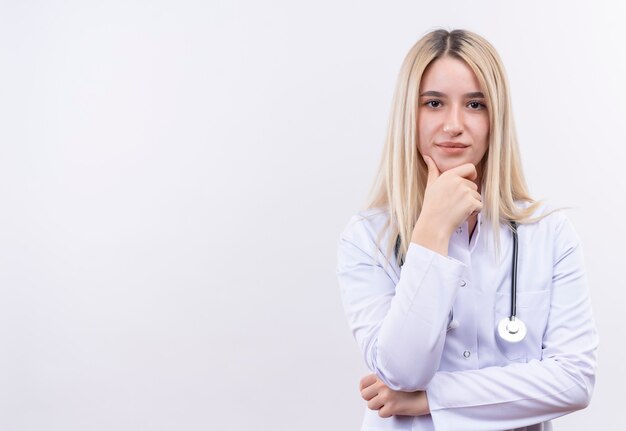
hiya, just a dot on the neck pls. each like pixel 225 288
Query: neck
pixel 471 225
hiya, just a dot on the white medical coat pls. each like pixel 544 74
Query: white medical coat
pixel 400 318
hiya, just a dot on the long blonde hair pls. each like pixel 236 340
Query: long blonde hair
pixel 401 179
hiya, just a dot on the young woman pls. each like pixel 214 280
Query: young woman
pixel 467 298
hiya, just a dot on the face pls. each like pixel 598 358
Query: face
pixel 453 121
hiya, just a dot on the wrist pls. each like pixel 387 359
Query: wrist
pixel 423 404
pixel 431 236
pixel 418 404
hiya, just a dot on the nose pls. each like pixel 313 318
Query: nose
pixel 453 124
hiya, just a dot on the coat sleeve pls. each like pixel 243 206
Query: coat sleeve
pixel 400 328
pixel 521 394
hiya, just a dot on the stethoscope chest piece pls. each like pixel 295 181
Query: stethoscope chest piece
pixel 511 329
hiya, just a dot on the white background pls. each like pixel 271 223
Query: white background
pixel 174 177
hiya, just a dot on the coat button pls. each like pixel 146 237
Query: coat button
pixel 466 354
pixel 463 283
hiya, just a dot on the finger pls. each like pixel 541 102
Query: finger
pixel 473 194
pixel 478 207
pixel 433 171
pixel 474 203
pixel 366 381
pixel 470 184
pixel 375 403
pixel 466 170
pixel 370 392
pixel 384 412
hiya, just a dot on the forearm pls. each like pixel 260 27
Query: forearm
pixel 399 318
pixel 408 349
pixel 513 396
pixel 501 397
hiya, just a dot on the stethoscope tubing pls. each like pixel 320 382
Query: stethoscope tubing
pixel 514 272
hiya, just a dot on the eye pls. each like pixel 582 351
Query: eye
pixel 433 103
pixel 475 105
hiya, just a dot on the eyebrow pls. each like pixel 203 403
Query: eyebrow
pixel 474 94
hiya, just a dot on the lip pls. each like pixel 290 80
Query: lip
pixel 452 148
pixel 451 145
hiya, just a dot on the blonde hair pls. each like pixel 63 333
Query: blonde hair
pixel 401 179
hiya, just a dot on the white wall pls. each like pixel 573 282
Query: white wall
pixel 174 177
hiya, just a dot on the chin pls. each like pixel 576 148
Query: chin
pixel 447 164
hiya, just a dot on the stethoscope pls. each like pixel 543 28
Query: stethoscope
pixel 510 329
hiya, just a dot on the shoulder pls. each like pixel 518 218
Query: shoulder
pixel 368 230
pixel 551 224
pixel 544 214
pixel 369 223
